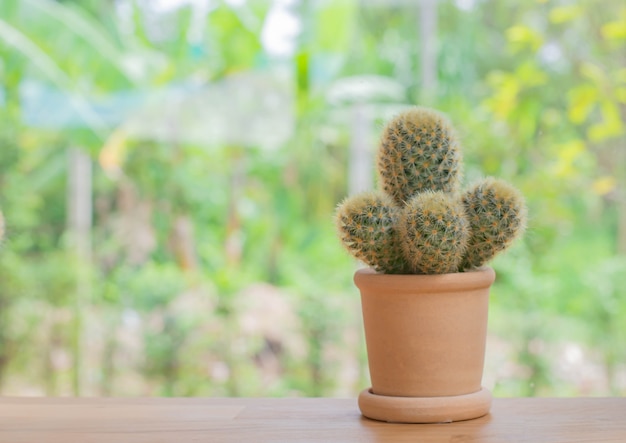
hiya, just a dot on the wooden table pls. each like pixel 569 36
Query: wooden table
pixel 115 420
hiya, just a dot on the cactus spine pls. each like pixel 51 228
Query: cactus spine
pixel 418 152
pixel 434 232
pixel 367 228
pixel 497 216
pixel 418 223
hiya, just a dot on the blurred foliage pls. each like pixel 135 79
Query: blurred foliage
pixel 213 266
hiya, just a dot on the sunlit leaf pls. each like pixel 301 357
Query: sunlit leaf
pixel 529 74
pixel 581 102
pixel 570 150
pixel 526 120
pixel 564 14
pixel 611 125
pixel 568 154
pixel 604 185
pixel 228 30
pixel 113 152
pixel 593 72
pixel 505 96
pixel 522 37
pixel 614 30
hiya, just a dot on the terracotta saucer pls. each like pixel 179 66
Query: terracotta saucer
pixel 424 409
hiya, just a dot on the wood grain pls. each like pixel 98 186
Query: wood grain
pixel 544 420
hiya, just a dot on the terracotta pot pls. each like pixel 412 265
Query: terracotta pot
pixel 425 337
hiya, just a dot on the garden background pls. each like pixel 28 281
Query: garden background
pixel 169 172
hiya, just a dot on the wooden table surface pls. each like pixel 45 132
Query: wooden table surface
pixel 116 420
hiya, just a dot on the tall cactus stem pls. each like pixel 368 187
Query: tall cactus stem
pixel 419 151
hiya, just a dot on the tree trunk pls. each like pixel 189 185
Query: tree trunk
pixel 361 162
pixel 428 50
pixel 79 225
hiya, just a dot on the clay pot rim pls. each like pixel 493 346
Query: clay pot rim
pixel 473 279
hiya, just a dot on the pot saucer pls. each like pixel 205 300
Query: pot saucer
pixel 424 409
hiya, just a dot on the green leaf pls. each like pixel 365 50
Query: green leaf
pixel 564 14
pixel 529 74
pixel 611 125
pixel 90 30
pixel 20 42
pixel 522 37
pixel 593 72
pixel 614 31
pixel 582 100
pixel 338 20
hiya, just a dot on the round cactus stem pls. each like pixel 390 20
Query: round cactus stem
pixel 419 151
pixel 366 225
pixel 434 233
pixel 497 214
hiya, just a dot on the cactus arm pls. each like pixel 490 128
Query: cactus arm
pixel 419 151
pixel 366 225
pixel 434 232
pixel 497 214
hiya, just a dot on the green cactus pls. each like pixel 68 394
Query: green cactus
pixel 418 223
pixel 418 152
pixel 367 228
pixel 497 215
pixel 1 226
pixel 434 232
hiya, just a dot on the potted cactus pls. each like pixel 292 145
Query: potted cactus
pixel 425 294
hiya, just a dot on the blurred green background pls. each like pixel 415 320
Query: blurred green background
pixel 169 171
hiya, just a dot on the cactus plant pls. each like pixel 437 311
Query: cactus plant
pixel 497 216
pixel 418 152
pixel 367 228
pixel 434 233
pixel 419 222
